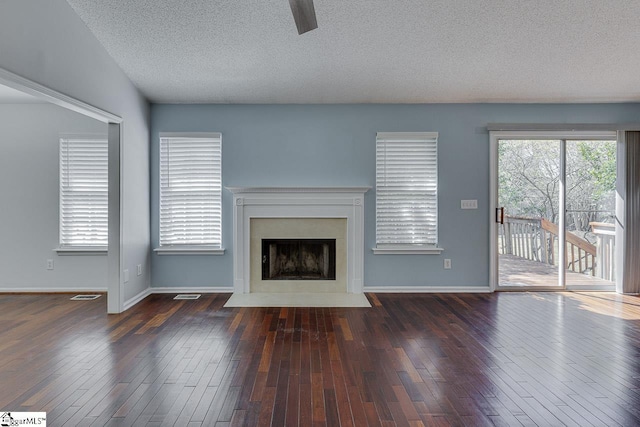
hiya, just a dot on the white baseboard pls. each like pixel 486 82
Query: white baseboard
pixel 428 289
pixel 176 290
pixel 136 299
pixel 193 290
pixel 21 290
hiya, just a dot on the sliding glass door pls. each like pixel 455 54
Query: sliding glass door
pixel 555 204
pixel 590 213
pixel 529 212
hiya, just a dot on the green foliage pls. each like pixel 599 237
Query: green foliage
pixel 601 158
pixel 529 180
pixel 529 177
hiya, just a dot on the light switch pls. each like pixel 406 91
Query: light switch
pixel 469 204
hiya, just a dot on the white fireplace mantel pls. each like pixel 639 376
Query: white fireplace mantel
pixel 298 202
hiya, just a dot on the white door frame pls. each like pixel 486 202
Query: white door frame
pixel 494 138
pixel 115 292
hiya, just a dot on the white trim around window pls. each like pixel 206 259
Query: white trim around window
pixel 190 196
pixel 83 194
pixel 407 193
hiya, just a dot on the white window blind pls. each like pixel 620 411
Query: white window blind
pixel 191 191
pixel 84 192
pixel 406 188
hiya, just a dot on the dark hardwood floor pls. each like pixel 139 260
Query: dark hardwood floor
pixel 504 359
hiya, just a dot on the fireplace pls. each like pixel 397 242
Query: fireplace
pixel 298 259
pixel 292 213
pixel 289 255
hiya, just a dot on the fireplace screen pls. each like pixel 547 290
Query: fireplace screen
pixel 298 259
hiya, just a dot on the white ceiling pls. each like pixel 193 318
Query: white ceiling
pixel 374 51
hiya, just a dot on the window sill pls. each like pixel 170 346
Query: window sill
pixel 189 250
pixel 79 250
pixel 407 250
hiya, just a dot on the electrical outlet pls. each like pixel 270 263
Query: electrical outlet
pixel 447 264
pixel 49 264
pixel 139 269
pixel 126 275
pixel 469 204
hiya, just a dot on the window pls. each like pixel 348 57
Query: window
pixel 84 193
pixel 407 192
pixel 191 193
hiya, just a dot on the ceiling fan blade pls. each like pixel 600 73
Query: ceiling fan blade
pixel 304 14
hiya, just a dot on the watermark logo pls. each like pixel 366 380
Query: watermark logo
pixel 19 419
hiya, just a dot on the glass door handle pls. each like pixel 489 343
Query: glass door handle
pixel 500 215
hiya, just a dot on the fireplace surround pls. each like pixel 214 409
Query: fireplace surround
pixel 297 203
pixel 300 229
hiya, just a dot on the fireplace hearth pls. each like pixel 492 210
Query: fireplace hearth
pixel 298 259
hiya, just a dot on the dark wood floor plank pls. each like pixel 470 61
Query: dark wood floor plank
pixel 266 407
pixel 305 417
pixel 411 360
pixel 282 389
pixel 293 400
pixel 224 391
pixel 317 399
pixel 189 408
pixel 204 404
pixel 341 394
pixel 173 412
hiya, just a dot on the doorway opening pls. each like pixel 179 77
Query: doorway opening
pixel 115 303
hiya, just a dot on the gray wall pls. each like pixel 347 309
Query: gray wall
pixel 334 145
pixel 29 169
pixel 45 41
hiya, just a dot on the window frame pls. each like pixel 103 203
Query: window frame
pixel 186 248
pixel 407 248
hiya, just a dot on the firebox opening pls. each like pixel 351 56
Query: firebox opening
pixel 298 259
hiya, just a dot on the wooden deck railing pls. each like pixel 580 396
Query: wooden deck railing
pixel 536 239
pixel 606 234
pixel 522 237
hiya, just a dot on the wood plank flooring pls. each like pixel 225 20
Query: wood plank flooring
pixel 502 359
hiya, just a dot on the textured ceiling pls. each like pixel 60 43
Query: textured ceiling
pixel 374 51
